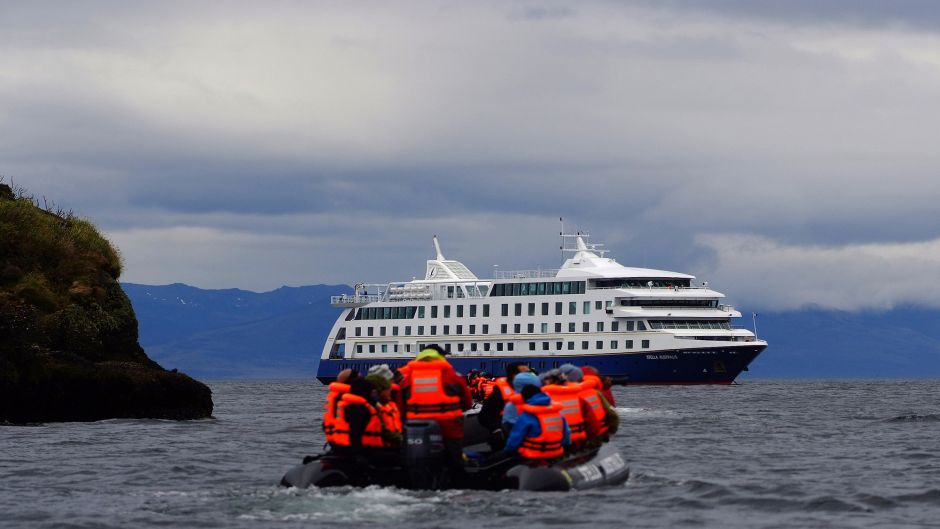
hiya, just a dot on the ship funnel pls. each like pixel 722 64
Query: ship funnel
pixel 437 248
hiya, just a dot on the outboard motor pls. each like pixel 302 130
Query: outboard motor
pixel 423 447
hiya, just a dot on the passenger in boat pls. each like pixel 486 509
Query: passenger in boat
pixel 597 406
pixel 489 384
pixel 511 410
pixel 605 382
pixel 552 376
pixel 383 371
pixel 474 382
pixel 491 414
pixel 336 390
pixel 358 427
pixel 389 416
pixel 540 433
pixel 575 408
pixel 393 377
pixel 433 390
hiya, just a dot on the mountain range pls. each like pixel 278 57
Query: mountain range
pixel 235 333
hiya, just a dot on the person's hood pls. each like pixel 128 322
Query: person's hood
pixel 381 370
pixel 428 355
pixel 539 399
pixel 525 379
pixel 588 370
pixel 572 372
pixel 551 373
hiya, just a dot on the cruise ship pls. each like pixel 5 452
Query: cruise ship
pixel 636 325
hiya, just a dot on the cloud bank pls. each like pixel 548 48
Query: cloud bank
pixel 254 145
pixel 780 277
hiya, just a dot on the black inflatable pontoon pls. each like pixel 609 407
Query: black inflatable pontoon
pixel 420 466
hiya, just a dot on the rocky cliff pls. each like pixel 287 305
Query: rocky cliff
pixel 68 333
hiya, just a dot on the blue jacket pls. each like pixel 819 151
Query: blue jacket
pixel 510 413
pixel 527 425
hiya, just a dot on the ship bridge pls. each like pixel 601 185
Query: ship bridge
pixel 589 261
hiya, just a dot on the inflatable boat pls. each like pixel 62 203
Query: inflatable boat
pixel 420 465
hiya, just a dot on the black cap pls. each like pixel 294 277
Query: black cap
pixel 437 348
pixel 512 369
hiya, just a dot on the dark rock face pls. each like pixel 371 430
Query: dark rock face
pixel 68 333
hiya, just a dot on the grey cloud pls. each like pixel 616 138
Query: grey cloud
pixel 542 12
pixel 847 277
pixel 921 14
pixel 298 130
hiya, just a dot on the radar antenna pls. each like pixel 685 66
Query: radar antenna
pixel 580 240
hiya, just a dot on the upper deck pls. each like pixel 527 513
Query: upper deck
pixel 586 269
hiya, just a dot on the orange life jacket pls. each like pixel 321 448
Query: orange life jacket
pixel 390 416
pixel 476 388
pixel 488 388
pixel 592 381
pixel 373 433
pixel 505 388
pixel 427 399
pixel 569 397
pixel 336 390
pixel 589 393
pixel 547 444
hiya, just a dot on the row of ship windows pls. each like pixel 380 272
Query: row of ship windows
pixel 643 283
pixel 498 346
pixel 503 328
pixel 708 303
pixel 538 289
pixel 531 309
pixel 495 364
pixel 689 324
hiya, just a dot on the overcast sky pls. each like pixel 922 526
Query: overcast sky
pixel 787 152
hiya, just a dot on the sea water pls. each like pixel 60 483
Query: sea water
pixel 756 454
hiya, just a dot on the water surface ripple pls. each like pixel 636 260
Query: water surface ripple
pixel 759 454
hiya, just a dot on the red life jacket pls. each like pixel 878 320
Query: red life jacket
pixel 390 416
pixel 569 397
pixel 593 398
pixel 547 444
pixel 336 391
pixel 373 433
pixel 426 397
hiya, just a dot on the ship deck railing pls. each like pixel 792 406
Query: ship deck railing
pixel 346 300
pixel 677 308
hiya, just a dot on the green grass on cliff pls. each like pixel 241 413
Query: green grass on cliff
pixel 58 285
pixel 49 258
pixel 68 333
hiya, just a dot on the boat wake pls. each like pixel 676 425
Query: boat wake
pixel 340 505
pixel 627 412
